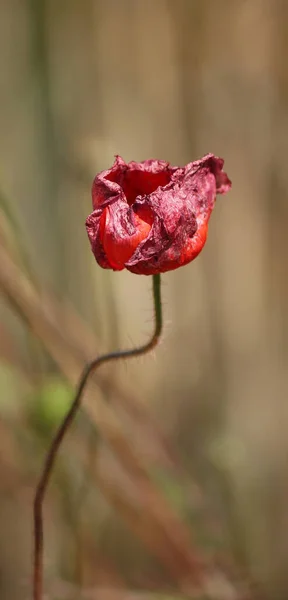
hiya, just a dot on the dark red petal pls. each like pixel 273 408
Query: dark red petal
pixel 174 257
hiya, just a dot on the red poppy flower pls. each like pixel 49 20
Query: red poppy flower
pixel 150 217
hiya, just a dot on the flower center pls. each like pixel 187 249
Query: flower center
pixel 139 183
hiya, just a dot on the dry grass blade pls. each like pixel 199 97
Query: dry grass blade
pixel 36 312
pixel 157 525
pixel 111 593
pixel 70 343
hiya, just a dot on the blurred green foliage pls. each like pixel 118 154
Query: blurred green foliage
pixel 48 404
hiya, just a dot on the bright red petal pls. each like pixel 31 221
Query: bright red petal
pixel 120 249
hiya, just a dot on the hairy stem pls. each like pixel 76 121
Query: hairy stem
pixel 64 427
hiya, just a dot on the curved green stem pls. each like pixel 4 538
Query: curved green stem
pixel 65 425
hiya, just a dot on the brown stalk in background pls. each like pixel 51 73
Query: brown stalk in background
pixel 65 426
pixel 69 342
pixel 159 528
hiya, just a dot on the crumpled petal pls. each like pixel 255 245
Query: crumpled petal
pixel 151 217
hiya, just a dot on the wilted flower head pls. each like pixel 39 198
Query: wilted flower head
pixel 150 217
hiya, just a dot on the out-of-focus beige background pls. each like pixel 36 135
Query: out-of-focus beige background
pixel 80 82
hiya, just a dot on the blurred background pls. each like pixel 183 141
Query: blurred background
pixel 179 458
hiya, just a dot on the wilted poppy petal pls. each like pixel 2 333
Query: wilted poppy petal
pixel 150 217
pixel 128 227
